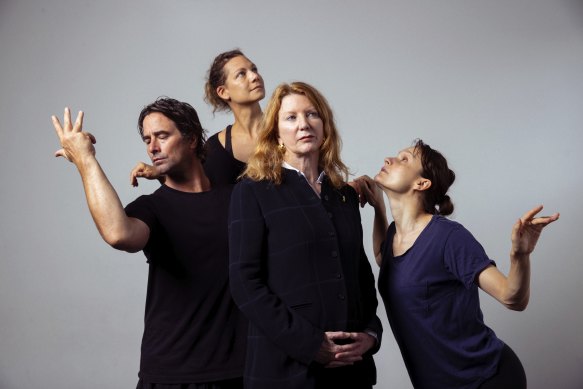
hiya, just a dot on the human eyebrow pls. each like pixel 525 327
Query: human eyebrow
pixel 405 154
pixel 286 114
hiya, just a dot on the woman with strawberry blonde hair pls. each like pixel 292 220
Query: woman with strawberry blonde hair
pixel 266 163
pixel 298 270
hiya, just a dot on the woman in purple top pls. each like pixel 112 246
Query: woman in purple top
pixel 431 268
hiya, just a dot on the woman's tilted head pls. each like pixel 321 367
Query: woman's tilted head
pixel 232 77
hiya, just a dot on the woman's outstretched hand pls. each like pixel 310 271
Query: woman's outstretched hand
pixel 527 230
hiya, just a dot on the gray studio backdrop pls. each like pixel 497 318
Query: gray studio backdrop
pixel 496 85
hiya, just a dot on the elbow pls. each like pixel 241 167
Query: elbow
pixel 124 247
pixel 518 305
pixel 116 242
pixel 119 241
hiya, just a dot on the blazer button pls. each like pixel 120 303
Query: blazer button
pixel 331 233
pixel 339 276
pixel 330 215
pixel 326 197
pixel 341 296
pixel 334 253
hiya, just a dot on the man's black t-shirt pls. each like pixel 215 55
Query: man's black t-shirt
pixel 193 332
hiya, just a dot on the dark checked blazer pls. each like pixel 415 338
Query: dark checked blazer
pixel 298 269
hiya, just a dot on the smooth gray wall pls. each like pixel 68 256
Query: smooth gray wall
pixel 497 86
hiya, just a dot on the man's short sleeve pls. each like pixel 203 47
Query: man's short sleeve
pixel 142 208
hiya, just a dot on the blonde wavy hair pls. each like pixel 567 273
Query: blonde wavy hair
pixel 266 161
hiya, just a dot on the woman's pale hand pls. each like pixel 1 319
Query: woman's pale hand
pixel 527 230
pixel 368 192
pixel 144 170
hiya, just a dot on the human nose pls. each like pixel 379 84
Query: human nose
pixel 254 75
pixel 389 160
pixel 153 147
pixel 303 122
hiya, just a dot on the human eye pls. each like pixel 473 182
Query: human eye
pixel 290 117
pixel 313 114
pixel 240 73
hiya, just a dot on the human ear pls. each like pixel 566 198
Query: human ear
pixel 223 93
pixel 423 184
pixel 193 144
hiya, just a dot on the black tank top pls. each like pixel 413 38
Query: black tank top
pixel 220 166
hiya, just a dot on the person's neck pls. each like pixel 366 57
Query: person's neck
pixel 192 180
pixel 308 165
pixel 408 213
pixel 247 119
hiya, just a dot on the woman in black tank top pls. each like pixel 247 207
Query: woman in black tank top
pixel 233 84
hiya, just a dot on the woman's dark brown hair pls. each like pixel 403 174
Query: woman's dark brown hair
pixel 217 77
pixel 435 169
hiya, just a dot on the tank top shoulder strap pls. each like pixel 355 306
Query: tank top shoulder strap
pixel 228 144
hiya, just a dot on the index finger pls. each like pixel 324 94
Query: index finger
pixel 134 176
pixel 337 335
pixel 530 214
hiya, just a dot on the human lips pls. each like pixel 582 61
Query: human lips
pixel 158 160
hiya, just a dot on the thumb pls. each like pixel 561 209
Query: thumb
pixel 61 153
pixel 517 228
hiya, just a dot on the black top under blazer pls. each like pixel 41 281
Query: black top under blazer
pixel 297 269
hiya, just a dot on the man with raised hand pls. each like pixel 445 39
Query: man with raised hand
pixel 193 332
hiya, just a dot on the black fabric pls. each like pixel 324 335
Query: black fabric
pixel 341 378
pixel 234 383
pixel 510 374
pixel 220 166
pixel 298 269
pixel 193 332
pixel 228 144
